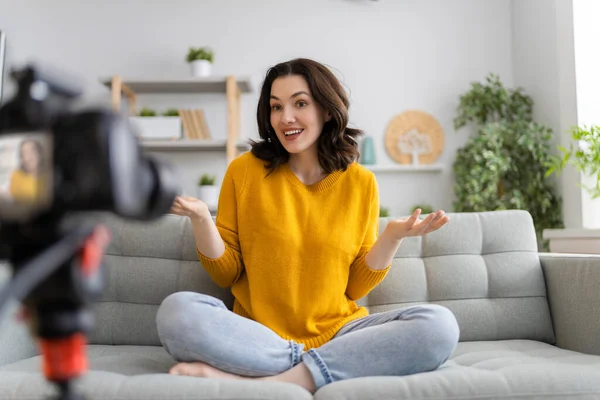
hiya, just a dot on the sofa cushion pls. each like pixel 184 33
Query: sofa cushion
pixel 145 262
pixel 484 267
pixel 137 372
pixel 513 369
pixel 510 369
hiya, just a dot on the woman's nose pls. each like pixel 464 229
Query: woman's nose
pixel 288 115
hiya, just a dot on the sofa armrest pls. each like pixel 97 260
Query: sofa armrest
pixel 15 341
pixel 573 286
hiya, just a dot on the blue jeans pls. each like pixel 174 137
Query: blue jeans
pixel 197 327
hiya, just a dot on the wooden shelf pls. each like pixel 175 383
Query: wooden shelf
pixel 179 86
pixel 405 168
pixel 189 145
pixel 231 86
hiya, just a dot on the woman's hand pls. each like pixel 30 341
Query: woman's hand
pixel 191 207
pixel 402 228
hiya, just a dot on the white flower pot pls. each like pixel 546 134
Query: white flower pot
pixel 201 68
pixel 210 195
pixel 157 127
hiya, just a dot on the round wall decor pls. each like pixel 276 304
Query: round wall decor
pixel 414 137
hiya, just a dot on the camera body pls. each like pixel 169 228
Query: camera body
pixel 53 162
pixel 89 160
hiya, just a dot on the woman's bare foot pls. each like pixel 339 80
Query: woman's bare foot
pixel 201 370
pixel 298 374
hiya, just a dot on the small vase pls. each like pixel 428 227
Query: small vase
pixel 210 195
pixel 367 154
pixel 201 68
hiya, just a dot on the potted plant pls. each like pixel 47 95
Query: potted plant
pixel 384 212
pixel 585 158
pixel 201 59
pixel 150 125
pixel 503 165
pixel 425 209
pixel 584 155
pixel 208 192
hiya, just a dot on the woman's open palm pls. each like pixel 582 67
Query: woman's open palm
pixel 188 206
pixel 412 226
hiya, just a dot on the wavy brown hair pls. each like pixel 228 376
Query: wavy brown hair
pixel 337 145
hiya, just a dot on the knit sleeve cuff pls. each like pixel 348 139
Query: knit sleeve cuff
pixel 370 277
pixel 363 279
pixel 224 270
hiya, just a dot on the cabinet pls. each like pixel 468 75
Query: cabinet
pixel 230 86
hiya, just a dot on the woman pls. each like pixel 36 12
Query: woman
pixel 296 239
pixel 26 181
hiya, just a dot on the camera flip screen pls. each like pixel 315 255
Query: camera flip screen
pixel 26 168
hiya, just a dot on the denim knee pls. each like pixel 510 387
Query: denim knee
pixel 442 332
pixel 177 311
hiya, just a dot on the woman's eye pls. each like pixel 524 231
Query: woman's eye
pixel 302 103
pixel 275 107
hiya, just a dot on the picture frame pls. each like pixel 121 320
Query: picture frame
pixel 2 61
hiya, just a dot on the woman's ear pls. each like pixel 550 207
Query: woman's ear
pixel 327 116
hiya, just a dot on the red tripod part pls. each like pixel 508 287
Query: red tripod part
pixel 65 358
pixel 93 250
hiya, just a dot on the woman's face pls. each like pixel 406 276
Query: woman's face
pixel 295 116
pixel 30 157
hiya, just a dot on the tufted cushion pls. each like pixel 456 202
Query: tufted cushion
pixel 145 262
pixel 499 370
pixel 482 266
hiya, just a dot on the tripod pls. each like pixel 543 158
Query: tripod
pixel 56 286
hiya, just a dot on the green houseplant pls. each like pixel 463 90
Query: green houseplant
pixel 425 208
pixel 206 180
pixel 147 112
pixel 171 112
pixel 384 212
pixel 503 166
pixel 152 125
pixel 208 192
pixel 201 60
pixel 585 157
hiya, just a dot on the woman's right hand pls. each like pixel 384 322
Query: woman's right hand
pixel 191 207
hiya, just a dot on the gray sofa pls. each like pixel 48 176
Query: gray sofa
pixel 530 322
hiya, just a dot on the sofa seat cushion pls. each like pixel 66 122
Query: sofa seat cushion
pixel 136 372
pixel 508 369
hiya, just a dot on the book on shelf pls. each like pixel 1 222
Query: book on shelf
pixel 194 124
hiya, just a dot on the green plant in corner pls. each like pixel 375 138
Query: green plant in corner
pixel 503 166
pixel 585 158
pixel 200 53
pixel 206 180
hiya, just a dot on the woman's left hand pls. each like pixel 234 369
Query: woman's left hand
pixel 412 226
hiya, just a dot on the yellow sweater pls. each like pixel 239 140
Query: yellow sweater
pixel 295 253
pixel 25 187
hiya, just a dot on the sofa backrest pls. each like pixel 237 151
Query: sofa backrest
pixel 482 266
pixel 145 262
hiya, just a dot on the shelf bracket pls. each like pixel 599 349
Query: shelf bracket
pixel 233 117
pixel 117 89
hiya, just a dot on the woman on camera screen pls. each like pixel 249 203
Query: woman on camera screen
pixel 25 182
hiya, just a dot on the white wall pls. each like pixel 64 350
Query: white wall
pixel 543 64
pixel 555 60
pixel 587 65
pixel 392 55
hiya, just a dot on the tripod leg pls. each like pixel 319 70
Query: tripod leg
pixel 67 392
